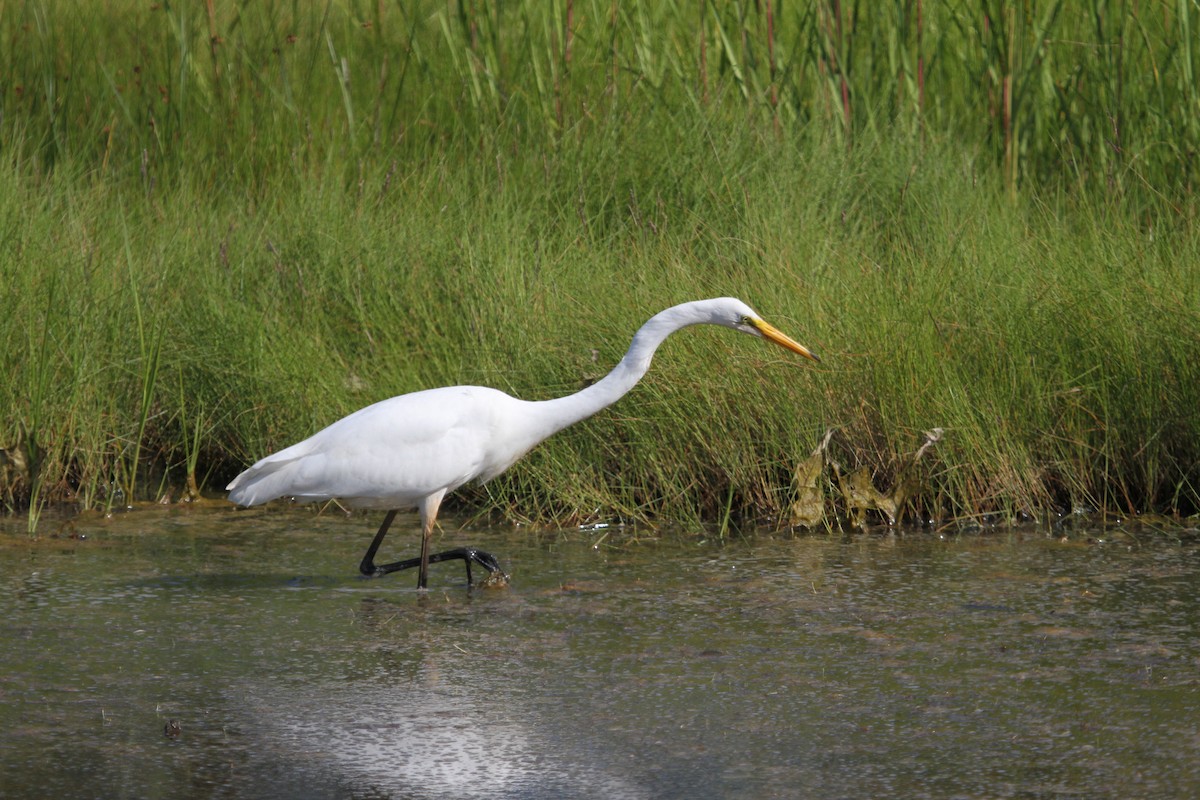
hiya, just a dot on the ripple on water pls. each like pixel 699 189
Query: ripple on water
pixel 1006 665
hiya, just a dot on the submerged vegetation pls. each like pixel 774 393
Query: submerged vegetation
pixel 222 226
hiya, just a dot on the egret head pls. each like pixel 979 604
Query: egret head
pixel 739 316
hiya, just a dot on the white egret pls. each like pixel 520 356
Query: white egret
pixel 411 450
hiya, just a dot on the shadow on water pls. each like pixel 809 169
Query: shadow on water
pixel 211 654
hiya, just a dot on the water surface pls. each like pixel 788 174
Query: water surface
pixel 1001 665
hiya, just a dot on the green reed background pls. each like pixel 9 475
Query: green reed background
pixel 223 225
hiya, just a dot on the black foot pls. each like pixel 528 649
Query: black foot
pixel 496 576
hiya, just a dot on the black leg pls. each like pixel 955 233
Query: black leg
pixel 466 554
pixel 369 568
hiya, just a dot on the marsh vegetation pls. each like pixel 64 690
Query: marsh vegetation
pixel 223 226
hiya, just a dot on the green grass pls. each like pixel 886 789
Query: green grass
pixel 983 220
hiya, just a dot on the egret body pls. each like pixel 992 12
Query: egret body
pixel 411 450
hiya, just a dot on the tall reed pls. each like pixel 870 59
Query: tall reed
pixel 984 216
pixel 1091 92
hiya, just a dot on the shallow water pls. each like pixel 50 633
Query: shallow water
pixel 1005 665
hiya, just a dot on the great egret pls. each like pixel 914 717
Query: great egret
pixel 413 449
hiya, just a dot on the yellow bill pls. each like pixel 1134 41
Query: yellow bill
pixel 780 338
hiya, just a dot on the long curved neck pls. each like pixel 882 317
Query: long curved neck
pixel 564 411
